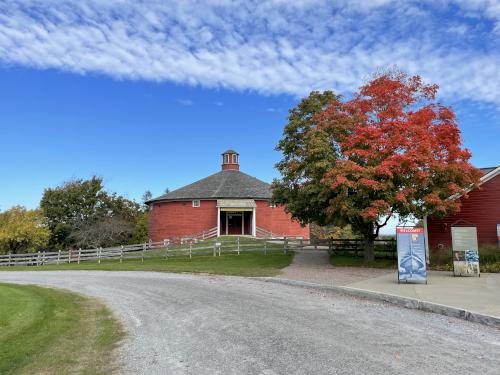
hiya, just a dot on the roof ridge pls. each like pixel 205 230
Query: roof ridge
pixel 221 184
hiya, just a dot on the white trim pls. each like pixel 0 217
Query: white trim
pixel 218 221
pixel 254 232
pixel 194 205
pixel 495 172
pixel 426 240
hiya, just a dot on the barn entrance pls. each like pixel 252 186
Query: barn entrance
pixel 234 222
pixel 236 217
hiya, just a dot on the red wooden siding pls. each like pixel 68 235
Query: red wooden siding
pixel 179 219
pixel 276 220
pixel 482 209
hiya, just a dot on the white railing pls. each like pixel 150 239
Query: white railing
pixel 163 249
pixel 262 232
pixel 201 236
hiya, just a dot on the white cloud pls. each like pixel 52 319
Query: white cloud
pixel 264 46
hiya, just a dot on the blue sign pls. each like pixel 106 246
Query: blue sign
pixel 411 255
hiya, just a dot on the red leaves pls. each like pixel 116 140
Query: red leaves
pixel 398 150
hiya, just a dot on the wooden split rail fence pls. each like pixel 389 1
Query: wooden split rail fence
pixel 166 249
pixel 188 247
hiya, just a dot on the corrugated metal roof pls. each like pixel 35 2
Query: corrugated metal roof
pixel 224 184
pixel 487 170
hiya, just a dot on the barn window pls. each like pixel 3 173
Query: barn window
pixel 196 203
pixel 235 159
pixel 226 158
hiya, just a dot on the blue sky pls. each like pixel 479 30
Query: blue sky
pixel 147 94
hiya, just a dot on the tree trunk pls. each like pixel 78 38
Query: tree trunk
pixel 369 253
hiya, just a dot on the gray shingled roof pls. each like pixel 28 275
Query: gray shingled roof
pixel 224 184
pixel 487 170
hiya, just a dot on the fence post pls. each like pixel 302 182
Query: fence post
pixel 143 251
pixel 166 243
pixel 99 251
pixel 38 259
pixel 220 246
pixel 265 246
pixel 215 247
pixel 10 258
pixel 190 249
pixel 203 235
pixel 58 256
pixel 302 244
pixel 238 240
pixel 121 254
pixel 285 245
pixel 79 254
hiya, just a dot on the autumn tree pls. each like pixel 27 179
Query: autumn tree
pixel 391 149
pixel 22 230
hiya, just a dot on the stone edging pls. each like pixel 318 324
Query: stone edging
pixel 409 303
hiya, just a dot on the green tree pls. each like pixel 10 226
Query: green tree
pixel 389 150
pixel 22 230
pixel 81 213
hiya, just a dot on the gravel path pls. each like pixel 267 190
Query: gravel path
pixel 314 266
pixel 188 324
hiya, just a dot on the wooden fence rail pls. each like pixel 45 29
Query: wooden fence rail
pixel 188 247
pixel 355 247
pixel 164 249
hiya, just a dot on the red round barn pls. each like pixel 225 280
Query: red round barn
pixel 229 202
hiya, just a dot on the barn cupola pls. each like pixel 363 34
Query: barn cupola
pixel 230 160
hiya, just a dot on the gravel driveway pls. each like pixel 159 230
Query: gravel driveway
pixel 188 324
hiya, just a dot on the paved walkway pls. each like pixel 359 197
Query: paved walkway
pixel 314 266
pixel 479 295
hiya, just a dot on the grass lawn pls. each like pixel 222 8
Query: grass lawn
pixel 245 264
pixel 48 331
pixel 350 261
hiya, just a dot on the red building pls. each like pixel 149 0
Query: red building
pixel 481 210
pixel 229 202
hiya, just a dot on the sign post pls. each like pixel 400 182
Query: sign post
pixel 411 254
pixel 465 251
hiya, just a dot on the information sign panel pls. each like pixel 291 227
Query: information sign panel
pixel 411 254
pixel 465 251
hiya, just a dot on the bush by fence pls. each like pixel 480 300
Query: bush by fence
pixel 489 259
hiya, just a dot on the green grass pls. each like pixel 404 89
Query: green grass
pixel 245 264
pixel 248 263
pixel 350 261
pixel 48 331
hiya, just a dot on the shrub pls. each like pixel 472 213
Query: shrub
pixel 489 259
